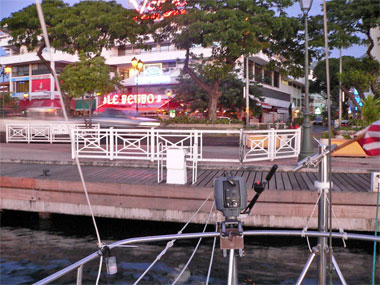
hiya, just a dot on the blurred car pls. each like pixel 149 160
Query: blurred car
pixel 318 121
pixel 122 119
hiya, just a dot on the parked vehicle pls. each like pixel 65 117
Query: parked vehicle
pixel 318 121
pixel 112 117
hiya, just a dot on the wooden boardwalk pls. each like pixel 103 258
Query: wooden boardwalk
pixel 290 181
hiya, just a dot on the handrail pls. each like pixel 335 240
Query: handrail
pixel 147 239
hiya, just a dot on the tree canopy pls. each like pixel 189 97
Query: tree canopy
pixel 86 27
pixel 232 29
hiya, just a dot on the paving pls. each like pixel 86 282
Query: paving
pixel 60 153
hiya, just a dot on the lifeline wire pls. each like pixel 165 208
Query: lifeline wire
pixel 171 243
pixel 47 43
pixel 212 256
pixel 196 247
pixel 100 269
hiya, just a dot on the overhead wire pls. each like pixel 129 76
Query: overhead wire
pixel 47 43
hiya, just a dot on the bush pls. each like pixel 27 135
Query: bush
pixel 371 109
pixel 325 135
pixel 192 120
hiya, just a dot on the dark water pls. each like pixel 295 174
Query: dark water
pixel 32 249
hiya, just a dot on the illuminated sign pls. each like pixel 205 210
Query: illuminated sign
pixel 131 99
pixel 152 79
pixel 39 85
pixel 152 6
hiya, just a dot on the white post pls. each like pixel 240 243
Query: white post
pixel 111 142
pixel 73 143
pixel 152 145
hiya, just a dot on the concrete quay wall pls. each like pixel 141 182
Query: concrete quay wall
pixel 285 209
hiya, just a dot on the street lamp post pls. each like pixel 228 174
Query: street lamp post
pixel 137 66
pixel 307 138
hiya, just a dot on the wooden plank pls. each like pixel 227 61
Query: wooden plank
pixel 293 181
pixel 309 182
pixel 209 180
pixel 286 181
pixel 366 179
pixel 279 182
pixel 342 182
pixel 203 182
pixel 251 179
pixel 301 182
pixel 355 181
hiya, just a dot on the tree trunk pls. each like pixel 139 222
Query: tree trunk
pixel 352 96
pixel 66 99
pixel 212 105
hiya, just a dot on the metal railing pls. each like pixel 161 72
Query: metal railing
pixel 289 233
pixel 143 144
pixel 41 132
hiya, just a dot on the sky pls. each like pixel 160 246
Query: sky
pixel 9 6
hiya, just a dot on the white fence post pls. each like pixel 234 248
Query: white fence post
pixel 111 143
pixel 152 140
pixel 73 143
pixel 272 143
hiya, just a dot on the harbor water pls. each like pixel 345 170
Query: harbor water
pixel 32 248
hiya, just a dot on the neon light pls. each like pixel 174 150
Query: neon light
pixel 131 99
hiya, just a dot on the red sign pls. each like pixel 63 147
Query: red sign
pixel 39 85
pixel 131 99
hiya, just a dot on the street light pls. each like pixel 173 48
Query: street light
pixel 307 137
pixel 137 66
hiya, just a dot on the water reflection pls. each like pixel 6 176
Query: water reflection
pixel 31 250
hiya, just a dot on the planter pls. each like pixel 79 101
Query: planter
pixel 352 150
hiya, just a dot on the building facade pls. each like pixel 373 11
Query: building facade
pixel 150 89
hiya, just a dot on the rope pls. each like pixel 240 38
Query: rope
pixel 100 270
pixel 46 38
pixel 171 243
pixel 374 243
pixel 196 247
pixel 341 230
pixel 212 256
pixel 304 230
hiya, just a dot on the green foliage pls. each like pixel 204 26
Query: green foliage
pixel 371 109
pixel 325 135
pixel 88 26
pixel 188 92
pixel 298 121
pixel 233 29
pixel 192 120
pixel 88 76
pixel 348 22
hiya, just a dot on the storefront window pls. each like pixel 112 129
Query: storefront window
pixel 21 86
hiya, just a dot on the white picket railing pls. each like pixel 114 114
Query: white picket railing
pixel 41 132
pixel 143 144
